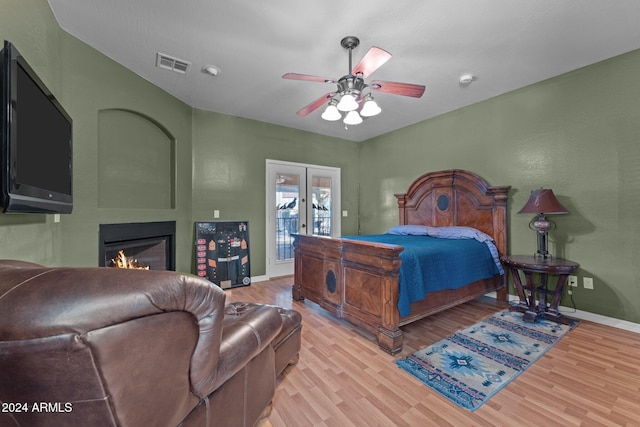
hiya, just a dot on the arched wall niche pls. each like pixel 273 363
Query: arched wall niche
pixel 136 161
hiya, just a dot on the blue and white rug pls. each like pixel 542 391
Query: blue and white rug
pixel 475 363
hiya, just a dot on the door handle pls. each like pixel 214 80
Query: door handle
pixel 303 225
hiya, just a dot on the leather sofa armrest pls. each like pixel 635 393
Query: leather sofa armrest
pixel 39 302
pixel 249 327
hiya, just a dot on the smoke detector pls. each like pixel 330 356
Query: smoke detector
pixel 211 70
pixel 173 64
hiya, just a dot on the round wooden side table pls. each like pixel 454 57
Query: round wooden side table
pixel 529 265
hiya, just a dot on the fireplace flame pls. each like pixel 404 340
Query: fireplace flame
pixel 121 261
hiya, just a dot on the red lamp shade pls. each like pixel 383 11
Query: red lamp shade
pixel 543 201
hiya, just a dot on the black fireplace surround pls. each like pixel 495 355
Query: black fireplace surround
pixel 150 243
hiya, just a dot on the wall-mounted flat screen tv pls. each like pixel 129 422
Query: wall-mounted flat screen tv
pixel 36 161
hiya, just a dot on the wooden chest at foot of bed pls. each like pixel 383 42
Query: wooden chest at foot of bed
pixel 324 267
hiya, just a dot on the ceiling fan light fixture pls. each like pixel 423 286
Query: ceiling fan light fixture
pixel 370 107
pixel 347 103
pixel 352 118
pixel 350 96
pixel 331 113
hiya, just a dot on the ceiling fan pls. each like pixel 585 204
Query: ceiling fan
pixel 349 96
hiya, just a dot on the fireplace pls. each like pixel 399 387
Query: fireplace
pixel 150 243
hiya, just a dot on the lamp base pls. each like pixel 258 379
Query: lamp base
pixel 542 256
pixel 541 226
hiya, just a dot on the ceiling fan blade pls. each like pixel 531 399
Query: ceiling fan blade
pixel 309 78
pixel 315 104
pixel 373 60
pixel 404 89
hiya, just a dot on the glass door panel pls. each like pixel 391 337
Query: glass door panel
pixel 287 208
pixel 321 205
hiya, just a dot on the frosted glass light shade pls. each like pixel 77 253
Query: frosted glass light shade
pixel 353 118
pixel 370 108
pixel 331 113
pixel 347 103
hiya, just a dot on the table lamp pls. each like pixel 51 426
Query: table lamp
pixel 542 202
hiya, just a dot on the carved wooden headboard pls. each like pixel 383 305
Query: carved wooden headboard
pixel 456 197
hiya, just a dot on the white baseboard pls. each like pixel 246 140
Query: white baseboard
pixel 585 315
pixel 259 278
pixel 603 320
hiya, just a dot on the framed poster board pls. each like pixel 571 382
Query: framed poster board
pixel 222 253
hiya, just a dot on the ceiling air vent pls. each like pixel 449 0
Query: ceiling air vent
pixel 170 63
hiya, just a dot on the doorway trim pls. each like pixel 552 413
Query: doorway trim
pixel 270 194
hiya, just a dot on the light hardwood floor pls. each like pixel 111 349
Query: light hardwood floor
pixel 590 378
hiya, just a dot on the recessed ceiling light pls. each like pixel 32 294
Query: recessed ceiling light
pixel 211 70
pixel 466 79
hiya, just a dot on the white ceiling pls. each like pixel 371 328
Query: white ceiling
pixel 506 44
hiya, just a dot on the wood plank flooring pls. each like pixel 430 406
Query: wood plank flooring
pixel 590 378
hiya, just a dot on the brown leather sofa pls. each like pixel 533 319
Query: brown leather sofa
pixel 130 348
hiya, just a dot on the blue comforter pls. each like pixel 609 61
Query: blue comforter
pixel 432 264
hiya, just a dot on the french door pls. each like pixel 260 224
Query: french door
pixel 301 199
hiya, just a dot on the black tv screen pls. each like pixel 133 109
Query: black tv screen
pixel 36 142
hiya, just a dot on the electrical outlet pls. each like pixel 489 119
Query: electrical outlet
pixel 573 281
pixel 216 213
pixel 587 282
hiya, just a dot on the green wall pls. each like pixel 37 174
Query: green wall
pixel 31 27
pixel 88 84
pixel 228 154
pixel 578 134
pixel 229 171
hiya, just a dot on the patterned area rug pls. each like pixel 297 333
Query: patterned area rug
pixel 475 363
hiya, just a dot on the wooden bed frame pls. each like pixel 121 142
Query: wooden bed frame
pixel 358 280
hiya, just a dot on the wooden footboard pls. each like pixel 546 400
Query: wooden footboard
pixel 358 281
pixel 354 280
